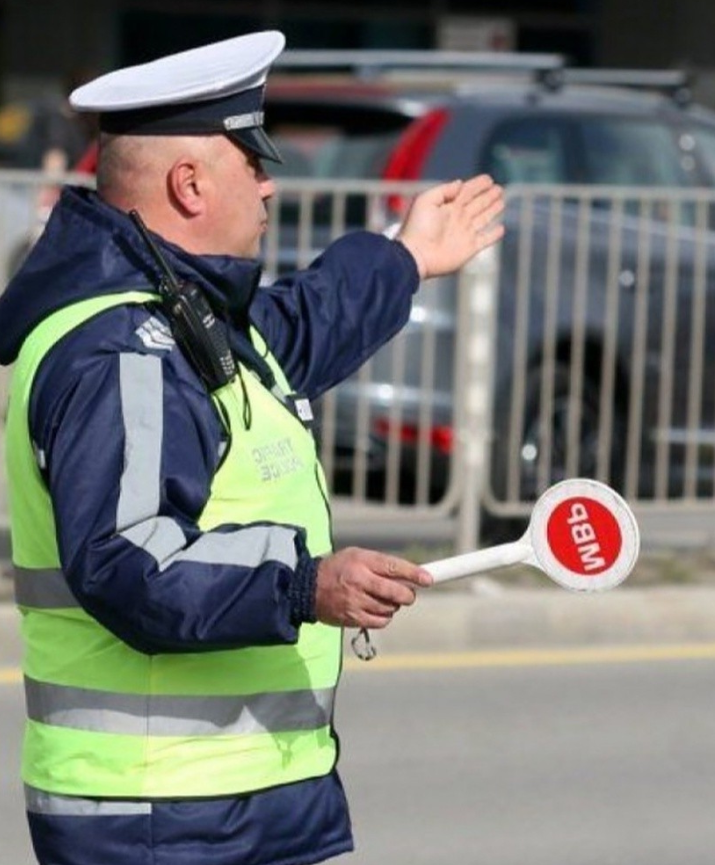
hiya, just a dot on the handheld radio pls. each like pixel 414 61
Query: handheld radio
pixel 196 329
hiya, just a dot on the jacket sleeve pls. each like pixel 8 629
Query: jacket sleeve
pixel 131 443
pixel 324 322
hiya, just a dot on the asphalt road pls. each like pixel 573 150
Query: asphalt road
pixel 560 764
pixel 14 843
pixel 475 758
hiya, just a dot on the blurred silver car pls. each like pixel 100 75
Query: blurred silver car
pixel 545 131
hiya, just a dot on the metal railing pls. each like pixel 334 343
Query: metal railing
pixel 603 345
pixel 584 345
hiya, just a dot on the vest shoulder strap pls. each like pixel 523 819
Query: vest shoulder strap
pixel 62 322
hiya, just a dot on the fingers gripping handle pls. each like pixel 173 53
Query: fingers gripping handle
pixel 454 568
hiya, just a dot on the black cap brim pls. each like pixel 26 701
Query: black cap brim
pixel 239 116
pixel 255 139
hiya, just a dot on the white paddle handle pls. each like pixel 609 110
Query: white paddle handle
pixel 501 556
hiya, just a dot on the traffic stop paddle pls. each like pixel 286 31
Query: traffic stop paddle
pixel 581 533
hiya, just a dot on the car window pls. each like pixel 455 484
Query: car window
pixel 331 151
pixel 332 138
pixel 528 150
pixel 626 152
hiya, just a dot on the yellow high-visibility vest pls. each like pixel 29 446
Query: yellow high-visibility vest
pixel 107 721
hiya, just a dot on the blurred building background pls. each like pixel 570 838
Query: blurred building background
pixel 44 44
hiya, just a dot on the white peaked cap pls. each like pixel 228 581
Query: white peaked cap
pixel 217 88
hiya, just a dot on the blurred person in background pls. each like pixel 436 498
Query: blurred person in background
pixel 66 137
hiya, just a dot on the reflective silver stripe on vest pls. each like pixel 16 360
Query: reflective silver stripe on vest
pixel 248 546
pixel 158 715
pixel 40 802
pixel 141 392
pixel 44 589
pixel 141 388
pixel 161 537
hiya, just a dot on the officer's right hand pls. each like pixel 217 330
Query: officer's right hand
pixel 448 224
pixel 359 588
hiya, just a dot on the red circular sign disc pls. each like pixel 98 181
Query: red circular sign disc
pixel 584 536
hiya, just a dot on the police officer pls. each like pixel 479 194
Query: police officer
pixel 182 605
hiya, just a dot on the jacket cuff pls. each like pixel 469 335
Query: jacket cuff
pixel 301 593
pixel 409 259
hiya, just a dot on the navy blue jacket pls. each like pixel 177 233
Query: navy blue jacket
pixel 321 324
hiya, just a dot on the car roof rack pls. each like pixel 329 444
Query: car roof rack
pixel 675 83
pixel 548 70
pixel 371 63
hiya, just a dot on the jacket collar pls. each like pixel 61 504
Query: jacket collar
pixel 229 282
pixel 89 249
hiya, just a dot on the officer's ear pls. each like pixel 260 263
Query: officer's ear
pixel 186 185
